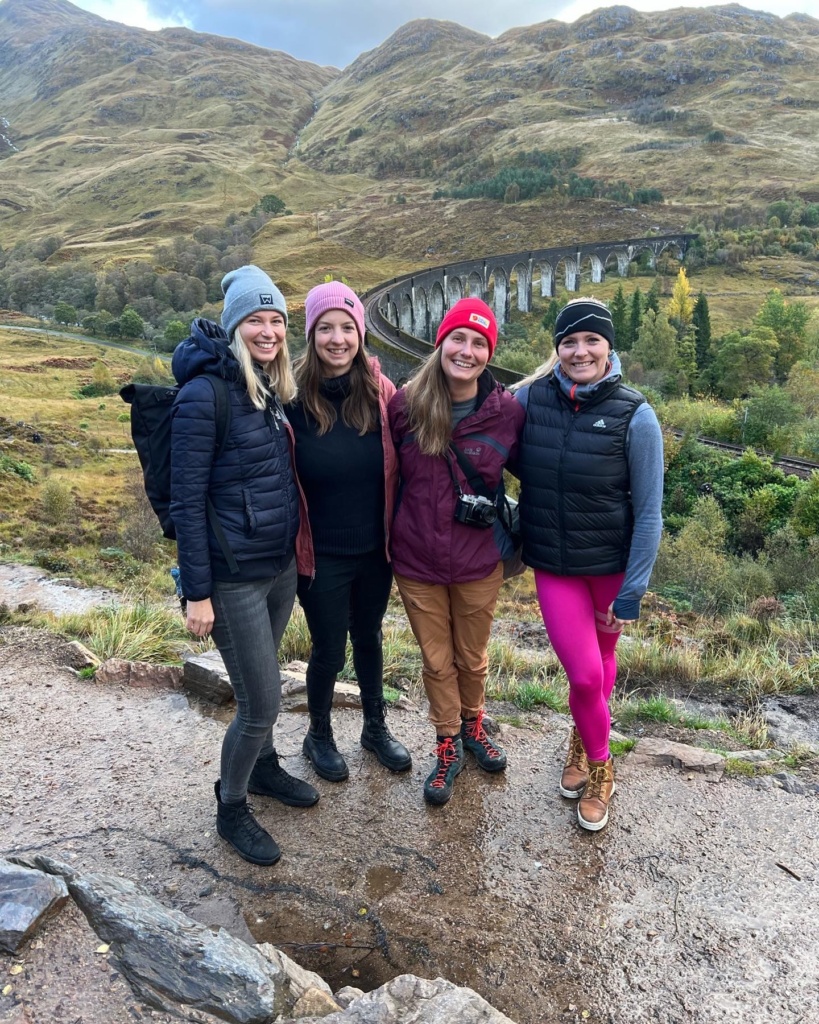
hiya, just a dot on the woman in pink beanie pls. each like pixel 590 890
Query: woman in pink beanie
pixel 346 463
pixel 454 428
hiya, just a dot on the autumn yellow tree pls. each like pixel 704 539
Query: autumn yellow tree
pixel 681 307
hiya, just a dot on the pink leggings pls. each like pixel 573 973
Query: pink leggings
pixel 574 612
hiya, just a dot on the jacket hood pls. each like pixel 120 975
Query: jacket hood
pixel 205 351
pixel 584 392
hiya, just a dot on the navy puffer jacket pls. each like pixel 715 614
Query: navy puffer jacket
pixel 251 484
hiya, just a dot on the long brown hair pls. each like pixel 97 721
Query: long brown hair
pixel 429 406
pixel 358 410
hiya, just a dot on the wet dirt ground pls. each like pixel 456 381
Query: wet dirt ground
pixel 687 908
pixel 23 584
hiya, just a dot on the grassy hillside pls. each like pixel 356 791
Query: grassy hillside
pixel 115 128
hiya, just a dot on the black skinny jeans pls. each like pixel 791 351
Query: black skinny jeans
pixel 348 594
pixel 250 618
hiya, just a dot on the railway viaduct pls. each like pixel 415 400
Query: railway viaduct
pixel 403 314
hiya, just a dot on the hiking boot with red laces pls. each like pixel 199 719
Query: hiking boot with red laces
pixel 593 809
pixel 489 755
pixel 450 763
pixel 576 770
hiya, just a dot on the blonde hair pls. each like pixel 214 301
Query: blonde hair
pixel 546 368
pixel 429 407
pixel 279 372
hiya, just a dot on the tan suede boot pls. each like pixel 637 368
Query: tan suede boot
pixel 593 809
pixel 576 770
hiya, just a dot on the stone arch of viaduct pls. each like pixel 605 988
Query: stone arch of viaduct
pixel 403 315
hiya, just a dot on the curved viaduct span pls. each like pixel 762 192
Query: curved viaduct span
pixel 403 314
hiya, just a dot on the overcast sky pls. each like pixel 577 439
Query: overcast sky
pixel 337 31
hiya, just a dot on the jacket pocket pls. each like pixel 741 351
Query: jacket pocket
pixel 250 515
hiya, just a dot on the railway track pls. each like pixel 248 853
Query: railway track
pixel 789 464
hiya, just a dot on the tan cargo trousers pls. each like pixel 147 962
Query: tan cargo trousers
pixel 451 625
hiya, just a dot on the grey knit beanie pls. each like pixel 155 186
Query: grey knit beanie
pixel 248 290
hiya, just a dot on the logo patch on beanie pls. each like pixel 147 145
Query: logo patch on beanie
pixel 476 318
pixel 266 300
pixel 350 303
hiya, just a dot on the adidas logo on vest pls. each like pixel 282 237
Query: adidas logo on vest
pixel 599 423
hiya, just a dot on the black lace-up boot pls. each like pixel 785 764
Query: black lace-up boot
pixel 320 748
pixel 375 736
pixel 236 824
pixel 268 778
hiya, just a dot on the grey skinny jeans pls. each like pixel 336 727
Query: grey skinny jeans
pixel 249 620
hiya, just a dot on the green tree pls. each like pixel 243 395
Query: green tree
pixel 656 345
pixel 65 313
pixel 701 319
pixel 653 296
pixel 131 323
pixel 803 387
pixel 635 316
pixel 619 317
pixel 788 321
pixel 175 331
pixel 550 316
pixel 745 360
pixel 768 408
pixel 272 204
pixel 805 518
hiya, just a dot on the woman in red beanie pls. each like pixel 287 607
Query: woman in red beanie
pixel 346 464
pixel 454 428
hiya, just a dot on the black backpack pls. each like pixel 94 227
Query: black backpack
pixel 151 414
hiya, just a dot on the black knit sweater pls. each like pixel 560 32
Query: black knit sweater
pixel 342 475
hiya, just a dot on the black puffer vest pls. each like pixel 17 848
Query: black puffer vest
pixel 575 507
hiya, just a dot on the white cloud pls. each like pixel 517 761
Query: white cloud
pixel 133 12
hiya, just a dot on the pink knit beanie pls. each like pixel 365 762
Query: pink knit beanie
pixel 332 295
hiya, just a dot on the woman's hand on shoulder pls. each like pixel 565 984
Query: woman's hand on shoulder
pixel 200 617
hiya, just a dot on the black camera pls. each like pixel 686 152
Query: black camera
pixel 473 510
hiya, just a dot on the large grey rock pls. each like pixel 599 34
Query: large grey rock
pixel 77 656
pixel 205 676
pixel 411 1000
pixel 678 755
pixel 27 899
pixel 170 959
pixel 314 1003
pixel 301 980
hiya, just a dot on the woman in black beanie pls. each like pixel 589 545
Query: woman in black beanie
pixel 591 472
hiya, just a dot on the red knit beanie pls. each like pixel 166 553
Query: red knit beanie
pixel 472 313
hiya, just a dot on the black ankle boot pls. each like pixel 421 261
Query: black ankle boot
pixel 375 736
pixel 236 824
pixel 320 748
pixel 268 778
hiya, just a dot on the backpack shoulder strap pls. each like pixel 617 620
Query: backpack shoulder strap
pixel 223 412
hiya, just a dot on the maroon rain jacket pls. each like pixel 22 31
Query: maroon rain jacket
pixel 427 543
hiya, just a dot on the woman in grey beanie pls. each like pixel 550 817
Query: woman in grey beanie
pixel 236 509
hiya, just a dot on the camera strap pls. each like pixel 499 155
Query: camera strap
pixel 476 481
pixel 478 485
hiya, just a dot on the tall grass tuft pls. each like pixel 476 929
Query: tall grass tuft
pixel 138 632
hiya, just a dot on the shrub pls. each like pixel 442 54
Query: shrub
pixel 17 467
pixel 58 503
